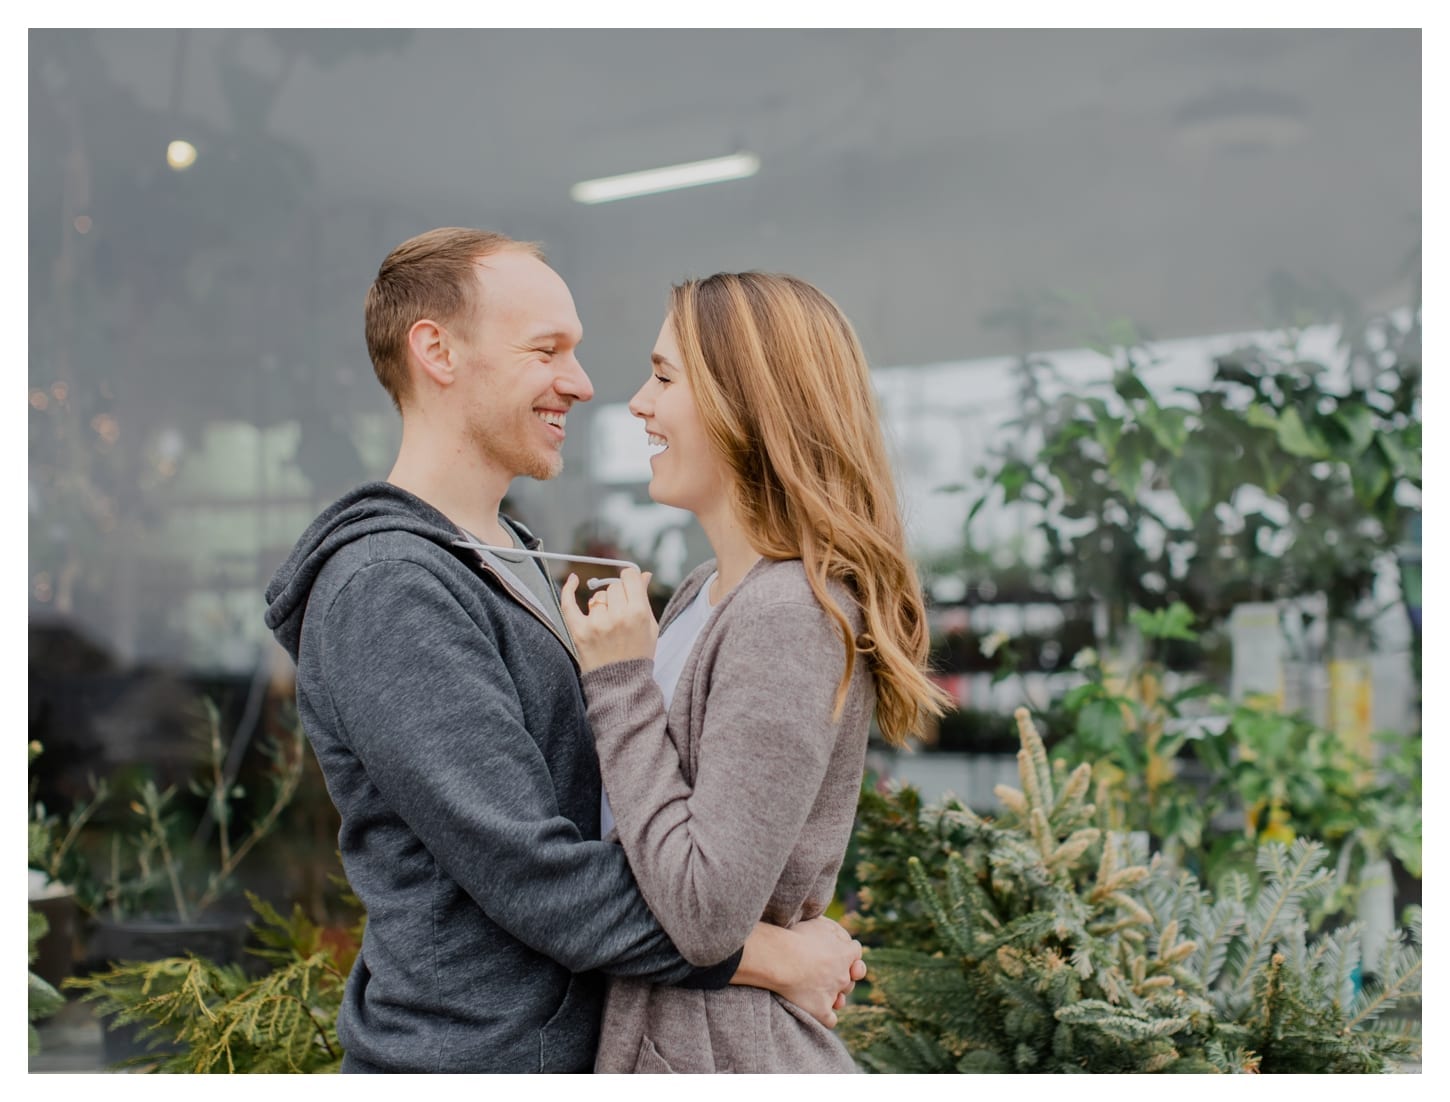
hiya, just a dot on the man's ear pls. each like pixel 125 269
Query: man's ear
pixel 428 347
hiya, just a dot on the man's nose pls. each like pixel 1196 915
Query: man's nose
pixel 574 382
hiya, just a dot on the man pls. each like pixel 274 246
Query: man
pixel 439 689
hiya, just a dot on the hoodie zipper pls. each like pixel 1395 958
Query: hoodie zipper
pixel 512 584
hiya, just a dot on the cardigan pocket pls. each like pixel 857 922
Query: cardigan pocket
pixel 650 1062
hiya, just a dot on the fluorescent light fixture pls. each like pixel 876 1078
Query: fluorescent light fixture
pixel 737 166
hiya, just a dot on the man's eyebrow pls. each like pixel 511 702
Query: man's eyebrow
pixel 574 337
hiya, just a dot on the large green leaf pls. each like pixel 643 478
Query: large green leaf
pixel 1261 416
pixel 1107 428
pixel 1294 438
pixel 1129 387
pixel 1126 466
pixel 1169 426
pixel 1012 478
pixel 1370 473
pixel 1357 421
pixel 1192 480
pixel 1173 622
pixel 1403 457
pixel 1100 723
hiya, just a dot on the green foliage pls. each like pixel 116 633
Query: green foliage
pixel 1285 776
pixel 226 1021
pixel 51 844
pixel 1037 942
pixel 1266 482
pixel 143 858
pixel 43 999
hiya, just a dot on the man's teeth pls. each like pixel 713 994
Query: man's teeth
pixel 656 441
pixel 549 418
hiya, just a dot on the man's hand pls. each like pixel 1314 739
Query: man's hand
pixel 814 965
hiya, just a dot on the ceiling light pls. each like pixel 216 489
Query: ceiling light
pixel 737 166
pixel 180 155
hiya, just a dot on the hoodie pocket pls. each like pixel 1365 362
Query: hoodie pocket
pixel 566 1041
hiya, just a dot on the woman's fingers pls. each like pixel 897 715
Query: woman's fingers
pixel 568 603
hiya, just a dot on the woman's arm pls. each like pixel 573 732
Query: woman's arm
pixel 708 856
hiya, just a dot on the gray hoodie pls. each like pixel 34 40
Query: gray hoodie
pixel 449 724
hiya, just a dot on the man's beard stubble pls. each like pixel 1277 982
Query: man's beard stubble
pixel 518 459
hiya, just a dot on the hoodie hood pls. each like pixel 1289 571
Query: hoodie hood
pixel 372 507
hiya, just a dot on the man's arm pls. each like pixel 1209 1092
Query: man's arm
pixel 425 701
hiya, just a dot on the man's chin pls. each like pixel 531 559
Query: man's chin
pixel 547 469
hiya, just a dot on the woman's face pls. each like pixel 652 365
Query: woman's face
pixel 688 472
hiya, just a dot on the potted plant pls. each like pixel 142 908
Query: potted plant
pixel 153 886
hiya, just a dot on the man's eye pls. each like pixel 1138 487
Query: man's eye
pixel 545 351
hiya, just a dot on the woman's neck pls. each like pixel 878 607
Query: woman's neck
pixel 734 554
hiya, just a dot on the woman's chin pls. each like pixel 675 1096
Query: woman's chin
pixel 661 496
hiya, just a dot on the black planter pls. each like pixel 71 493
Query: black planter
pixel 220 940
pixel 56 951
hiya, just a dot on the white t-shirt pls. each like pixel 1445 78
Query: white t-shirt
pixel 671 650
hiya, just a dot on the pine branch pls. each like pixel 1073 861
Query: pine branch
pixel 1376 998
pixel 1292 875
pixel 954 934
pixel 1037 755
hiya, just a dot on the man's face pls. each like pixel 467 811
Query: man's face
pixel 517 365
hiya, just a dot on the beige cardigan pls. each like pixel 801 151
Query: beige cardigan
pixel 737 807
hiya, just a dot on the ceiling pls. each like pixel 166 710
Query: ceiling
pixel 925 179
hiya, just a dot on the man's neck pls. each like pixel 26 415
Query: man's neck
pixel 453 480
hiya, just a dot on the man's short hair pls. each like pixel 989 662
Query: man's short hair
pixel 431 276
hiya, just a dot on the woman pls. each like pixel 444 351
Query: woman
pixel 732 757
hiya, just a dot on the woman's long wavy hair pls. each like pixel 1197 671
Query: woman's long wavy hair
pixel 785 395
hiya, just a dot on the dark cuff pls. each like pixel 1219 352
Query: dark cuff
pixel 715 976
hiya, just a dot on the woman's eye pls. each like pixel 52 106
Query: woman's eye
pixel 662 379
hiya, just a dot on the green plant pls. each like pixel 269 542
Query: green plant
pixel 1126 723
pixel 1284 775
pixel 1269 481
pixel 1393 808
pixel 1029 943
pixel 154 864
pixel 141 858
pixel 226 1021
pixel 43 1000
pixel 52 840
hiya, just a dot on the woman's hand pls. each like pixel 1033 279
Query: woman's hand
pixel 814 965
pixel 620 624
